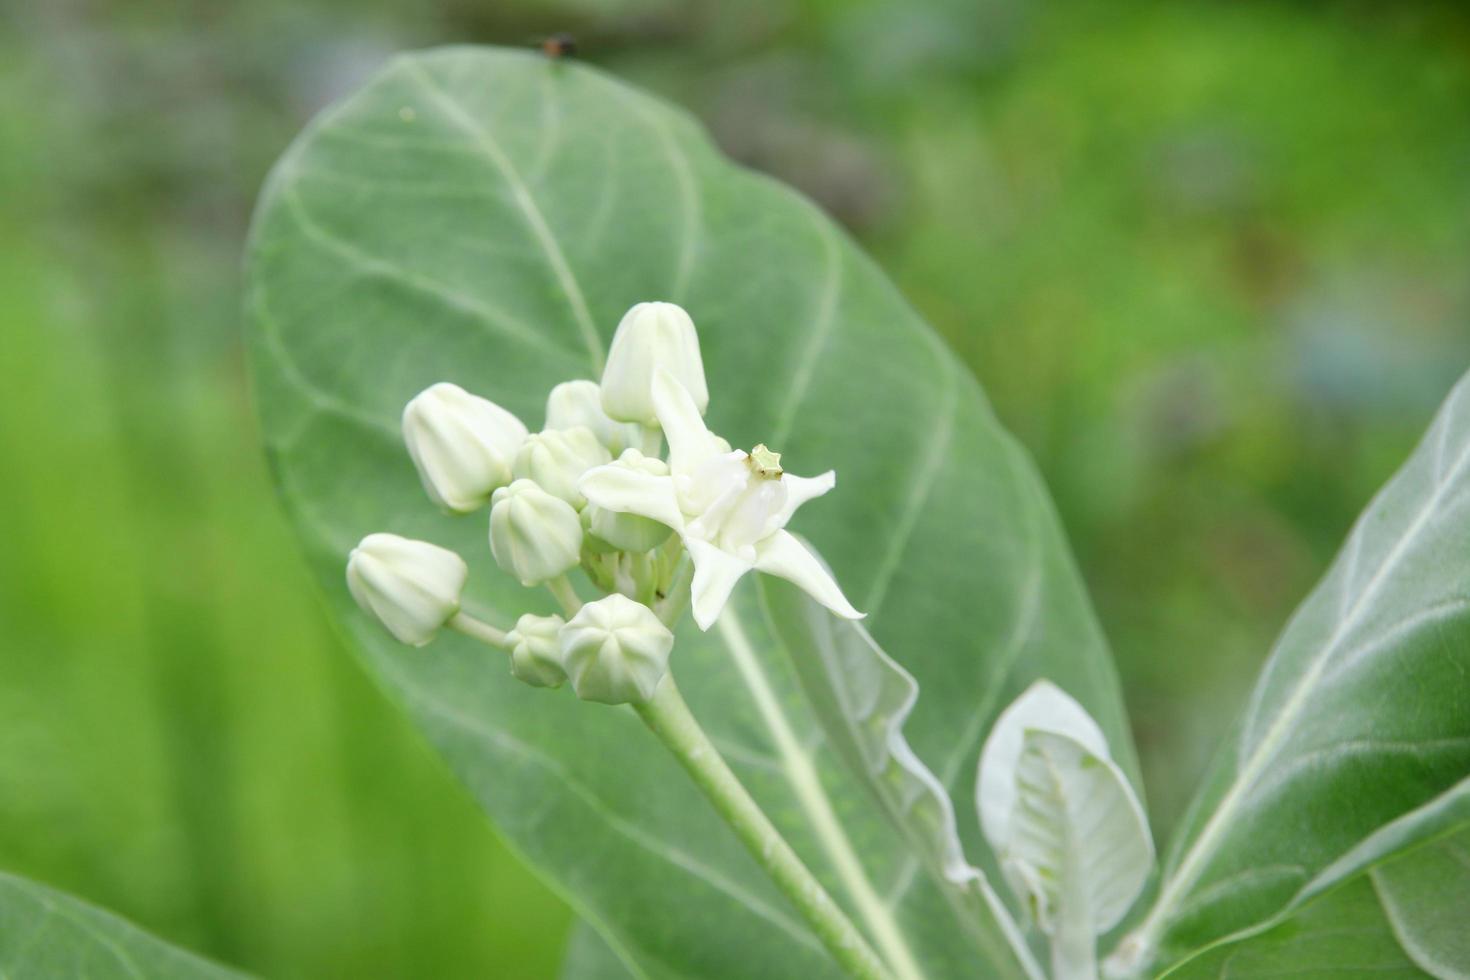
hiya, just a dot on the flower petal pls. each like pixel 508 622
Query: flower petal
pixel 800 489
pixel 784 556
pixel 625 490
pixel 715 575
pixel 690 441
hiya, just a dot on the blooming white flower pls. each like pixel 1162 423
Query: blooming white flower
pixel 574 403
pixel 731 508
pixel 651 337
pixel 615 650
pixel 557 458
pixel 461 444
pixel 535 655
pixel 411 587
pixel 630 532
pixel 533 535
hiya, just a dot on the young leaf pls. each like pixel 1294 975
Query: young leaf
pixel 1079 848
pixel 485 217
pixel 1043 706
pixel 44 933
pixel 1356 743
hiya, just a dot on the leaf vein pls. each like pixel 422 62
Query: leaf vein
pixel 535 220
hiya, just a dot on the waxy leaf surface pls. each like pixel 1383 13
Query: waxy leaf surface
pixel 485 217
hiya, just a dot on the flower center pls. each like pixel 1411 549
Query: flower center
pixel 763 463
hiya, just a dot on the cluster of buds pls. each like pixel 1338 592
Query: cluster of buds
pixel 593 490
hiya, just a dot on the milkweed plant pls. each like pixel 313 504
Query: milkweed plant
pixel 904 757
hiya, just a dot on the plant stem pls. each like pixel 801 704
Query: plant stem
pixel 561 588
pixel 673 605
pixel 670 719
pixel 652 441
pixel 463 622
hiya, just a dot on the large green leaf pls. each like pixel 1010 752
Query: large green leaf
pixel 1356 743
pixel 1407 917
pixel 485 217
pixel 45 933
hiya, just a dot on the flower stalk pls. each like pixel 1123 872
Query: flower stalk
pixel 668 716
pixel 463 622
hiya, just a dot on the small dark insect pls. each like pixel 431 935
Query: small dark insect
pixel 559 46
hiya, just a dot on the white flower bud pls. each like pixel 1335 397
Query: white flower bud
pixel 535 655
pixel 533 535
pixel 651 336
pixel 574 403
pixel 630 532
pixel 615 651
pixel 557 458
pixel 411 587
pixel 461 444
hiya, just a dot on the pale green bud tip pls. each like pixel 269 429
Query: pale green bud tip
pixel 651 337
pixel 764 463
pixel 461 444
pixel 615 651
pixel 557 458
pixel 536 650
pixel 533 535
pixel 411 587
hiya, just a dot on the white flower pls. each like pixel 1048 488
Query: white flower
pixel 574 403
pixel 630 532
pixel 557 458
pixel 615 650
pixel 731 508
pixel 461 444
pixel 535 655
pixel 651 337
pixel 411 587
pixel 533 535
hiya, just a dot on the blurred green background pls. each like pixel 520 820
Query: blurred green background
pixel 1212 261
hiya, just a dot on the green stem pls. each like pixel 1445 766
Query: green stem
pixel 561 588
pixel 673 605
pixel 463 622
pixel 670 719
pixel 651 441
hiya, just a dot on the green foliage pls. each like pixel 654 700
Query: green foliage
pixel 182 738
pixel 1356 744
pixel 44 933
pixel 1206 259
pixel 485 217
pixel 1405 918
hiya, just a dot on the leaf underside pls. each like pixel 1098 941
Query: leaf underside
pixel 485 217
